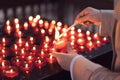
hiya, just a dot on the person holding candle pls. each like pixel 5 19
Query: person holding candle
pixel 80 67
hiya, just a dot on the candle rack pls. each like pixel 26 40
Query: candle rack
pixel 27 44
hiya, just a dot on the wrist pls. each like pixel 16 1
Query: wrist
pixel 72 65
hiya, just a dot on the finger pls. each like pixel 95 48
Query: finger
pixel 56 54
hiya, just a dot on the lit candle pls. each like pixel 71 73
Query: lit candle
pixel 16 61
pixel 39 63
pixel 98 43
pixel 27 47
pixel 81 41
pixel 25 26
pixel 20 42
pixel 42 32
pixel 16 21
pixel 11 72
pixel 90 45
pixel 4 64
pixel 46 24
pixel 105 40
pixel 88 33
pixel 8 29
pixel 31 40
pixel 42 54
pixel 47 40
pixel 51 59
pixel 4 41
pixel 80 35
pixel 30 19
pixel 30 58
pixel 8 23
pixel 81 48
pixel 19 34
pixel 26 67
pixel 40 23
pixel 96 36
pixel 17 27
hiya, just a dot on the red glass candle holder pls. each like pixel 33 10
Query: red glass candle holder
pixel 26 67
pixel 16 61
pixel 11 72
pixel 4 64
pixel 39 63
pixel 51 59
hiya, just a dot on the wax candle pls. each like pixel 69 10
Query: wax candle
pixel 81 41
pixel 8 29
pixel 30 58
pixel 42 54
pixel 96 36
pixel 16 21
pixel 11 72
pixel 90 45
pixel 16 61
pixel 4 41
pixel 46 24
pixel 51 59
pixel 26 26
pixel 39 63
pixel 98 43
pixel 81 48
pixel 26 67
pixel 40 23
pixel 4 64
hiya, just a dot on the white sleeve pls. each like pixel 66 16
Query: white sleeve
pixel 81 68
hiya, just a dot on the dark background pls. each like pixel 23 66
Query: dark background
pixel 60 10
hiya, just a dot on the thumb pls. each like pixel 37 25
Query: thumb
pixel 56 54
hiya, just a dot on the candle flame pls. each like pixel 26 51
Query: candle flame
pixel 51 57
pixel 56 34
pixel 3 63
pixel 39 61
pixel 26 65
pixel 11 70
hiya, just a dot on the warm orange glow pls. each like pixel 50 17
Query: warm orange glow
pixel 38 17
pixel 41 21
pixel 26 65
pixel 25 25
pixel 8 22
pixel 53 22
pixel 11 71
pixel 79 30
pixel 30 18
pixel 59 24
pixel 56 34
pixel 47 39
pixel 16 20
pixel 51 57
pixel 42 31
pixel 87 33
pixel 3 40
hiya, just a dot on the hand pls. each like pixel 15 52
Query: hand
pixel 64 59
pixel 89 14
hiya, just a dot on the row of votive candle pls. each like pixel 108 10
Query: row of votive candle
pixel 21 41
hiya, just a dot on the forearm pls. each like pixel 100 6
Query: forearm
pixel 107 22
pixel 83 68
pixel 104 74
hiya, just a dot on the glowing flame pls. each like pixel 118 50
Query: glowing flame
pixel 56 34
